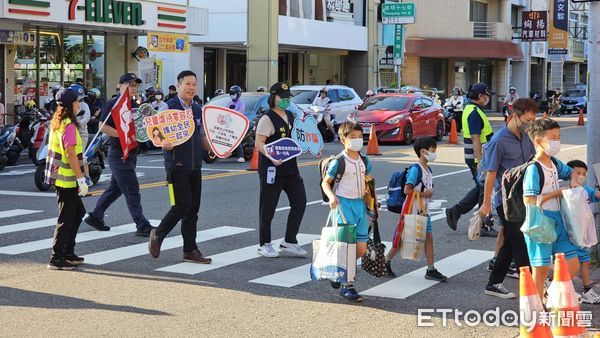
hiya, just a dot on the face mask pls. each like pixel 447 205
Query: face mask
pixel 523 126
pixel 553 148
pixel 283 103
pixel 158 97
pixel 430 156
pixel 581 180
pixel 233 97
pixel 356 144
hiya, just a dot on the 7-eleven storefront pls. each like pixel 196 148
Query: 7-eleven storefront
pixel 44 43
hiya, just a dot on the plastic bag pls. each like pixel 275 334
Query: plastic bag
pixel 539 227
pixel 475 224
pixel 579 219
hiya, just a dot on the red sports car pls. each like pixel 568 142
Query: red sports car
pixel 400 117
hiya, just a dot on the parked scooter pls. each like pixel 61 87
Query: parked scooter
pixel 318 112
pixel 39 128
pixel 10 143
pixel 452 113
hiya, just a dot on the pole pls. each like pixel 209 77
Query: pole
pixel 593 107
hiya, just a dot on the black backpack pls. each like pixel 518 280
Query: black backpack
pixel 512 190
pixel 341 168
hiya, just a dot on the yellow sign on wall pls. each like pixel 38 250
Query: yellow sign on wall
pixel 168 42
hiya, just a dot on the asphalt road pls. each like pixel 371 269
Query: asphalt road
pixel 123 291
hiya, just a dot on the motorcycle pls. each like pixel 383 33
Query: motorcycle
pixel 7 138
pixel 452 113
pixel 39 128
pixel 507 111
pixel 10 144
pixel 318 113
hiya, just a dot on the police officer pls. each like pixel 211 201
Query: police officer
pixel 477 131
pixel 183 164
pixel 63 170
pixel 123 180
pixel 276 176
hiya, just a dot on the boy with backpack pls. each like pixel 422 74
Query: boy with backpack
pixel 545 134
pixel 578 178
pixel 350 188
pixel 420 178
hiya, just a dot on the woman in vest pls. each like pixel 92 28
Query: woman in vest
pixel 64 171
pixel 276 176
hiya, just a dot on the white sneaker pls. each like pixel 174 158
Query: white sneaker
pixel 241 160
pixel 267 250
pixel 590 297
pixel 294 249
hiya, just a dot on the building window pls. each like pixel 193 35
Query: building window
pixel 25 75
pixel 573 25
pixel 478 11
pixel 95 61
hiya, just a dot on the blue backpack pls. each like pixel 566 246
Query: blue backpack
pixel 396 195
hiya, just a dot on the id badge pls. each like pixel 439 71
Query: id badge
pixel 271 172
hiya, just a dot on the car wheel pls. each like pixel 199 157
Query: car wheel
pixel 408 134
pixel 439 131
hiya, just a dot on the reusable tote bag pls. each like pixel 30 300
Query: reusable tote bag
pixel 413 234
pixel 334 255
pixel 539 227
pixel 475 224
pixel 374 261
pixel 580 222
pixel 400 227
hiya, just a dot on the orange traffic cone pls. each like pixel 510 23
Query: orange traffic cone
pixel 254 162
pixel 545 115
pixel 531 307
pixel 563 301
pixel 453 137
pixel 581 121
pixel 373 145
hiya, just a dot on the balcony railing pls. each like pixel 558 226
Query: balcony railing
pixel 492 30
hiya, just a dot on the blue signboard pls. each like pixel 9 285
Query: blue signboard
pixel 283 150
pixel 307 135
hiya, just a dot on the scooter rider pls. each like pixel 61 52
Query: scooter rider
pixel 323 101
pixel 508 101
pixel 456 104
pixel 235 92
pixel 368 95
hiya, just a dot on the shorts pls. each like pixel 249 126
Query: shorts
pixel 355 212
pixel 429 229
pixel 584 255
pixel 540 253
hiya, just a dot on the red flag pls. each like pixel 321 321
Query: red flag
pixel 123 119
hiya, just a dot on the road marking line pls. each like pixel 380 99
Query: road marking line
pixel 82 237
pixel 203 169
pixel 228 258
pixel 18 172
pixel 7 229
pixel 414 282
pixel 28 194
pixel 136 250
pixel 17 212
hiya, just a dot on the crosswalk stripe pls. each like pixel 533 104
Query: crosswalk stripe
pixel 292 277
pixel 6 229
pixel 110 256
pixel 228 258
pixel 82 237
pixel 414 282
pixel 17 212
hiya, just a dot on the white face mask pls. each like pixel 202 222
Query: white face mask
pixel 233 97
pixel 581 180
pixel 431 156
pixel 553 148
pixel 356 144
pixel 158 97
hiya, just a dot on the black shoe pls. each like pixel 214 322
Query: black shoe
pixel 388 269
pixel 95 223
pixel 488 232
pixel 335 285
pixel 433 274
pixel 498 290
pixel 74 259
pixel 452 218
pixel 60 264
pixel 491 265
pixel 144 231
pixel 512 273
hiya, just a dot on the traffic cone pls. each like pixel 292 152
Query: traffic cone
pixel 581 121
pixel 530 306
pixel 563 301
pixel 545 115
pixel 373 145
pixel 453 137
pixel 254 162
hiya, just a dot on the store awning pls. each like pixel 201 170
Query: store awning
pixel 463 48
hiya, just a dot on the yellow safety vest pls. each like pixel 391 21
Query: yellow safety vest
pixel 58 170
pixel 486 132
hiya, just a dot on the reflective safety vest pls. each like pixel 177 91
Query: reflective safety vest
pixel 486 133
pixel 58 170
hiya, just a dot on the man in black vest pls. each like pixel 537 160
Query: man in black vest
pixel 276 176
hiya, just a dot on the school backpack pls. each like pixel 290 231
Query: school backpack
pixel 512 190
pixel 396 195
pixel 341 168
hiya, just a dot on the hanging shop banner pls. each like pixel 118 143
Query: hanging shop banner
pixel 17 38
pixel 139 120
pixel 168 42
pixel 307 135
pixel 558 28
pixel 170 126
pixel 283 150
pixel 224 128
pixel 534 26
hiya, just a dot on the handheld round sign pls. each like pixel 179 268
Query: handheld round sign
pixel 307 135
pixel 224 128
pixel 170 126
pixel 139 115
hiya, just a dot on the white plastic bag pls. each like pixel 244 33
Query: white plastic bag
pixel 475 224
pixel 579 219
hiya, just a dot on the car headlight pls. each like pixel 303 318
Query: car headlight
pixel 394 120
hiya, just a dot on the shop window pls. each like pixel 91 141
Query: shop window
pixel 25 75
pixel 73 66
pixel 50 60
pixel 95 60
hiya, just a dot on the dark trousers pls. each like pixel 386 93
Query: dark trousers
pixel 187 188
pixel 269 197
pixel 123 181
pixel 473 197
pixel 70 213
pixel 239 151
pixel 513 247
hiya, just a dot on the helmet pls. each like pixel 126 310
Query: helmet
pixel 512 88
pixel 261 89
pixel 235 90
pixel 150 91
pixel 95 91
pixel 219 92
pixel 55 89
pixel 370 93
pixel 324 89
pixel 79 90
pixel 30 104
pixel 158 91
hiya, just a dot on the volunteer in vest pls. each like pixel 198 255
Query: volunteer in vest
pixel 477 131
pixel 123 180
pixel 64 170
pixel 276 124
pixel 183 164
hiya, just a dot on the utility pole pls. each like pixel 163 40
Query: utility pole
pixel 593 87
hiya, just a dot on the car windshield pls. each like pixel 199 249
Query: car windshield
pixel 575 93
pixel 304 96
pixel 386 103
pixel 249 101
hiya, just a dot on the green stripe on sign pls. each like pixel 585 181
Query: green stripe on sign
pixel 33 3
pixel 171 17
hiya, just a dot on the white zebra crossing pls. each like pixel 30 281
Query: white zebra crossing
pixel 7 229
pixel 17 212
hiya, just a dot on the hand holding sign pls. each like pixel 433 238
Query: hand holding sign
pixel 307 135
pixel 172 127
pixel 224 128
pixel 282 150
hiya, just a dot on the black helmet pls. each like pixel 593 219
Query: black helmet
pixel 219 92
pixel 235 90
pixel 158 91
